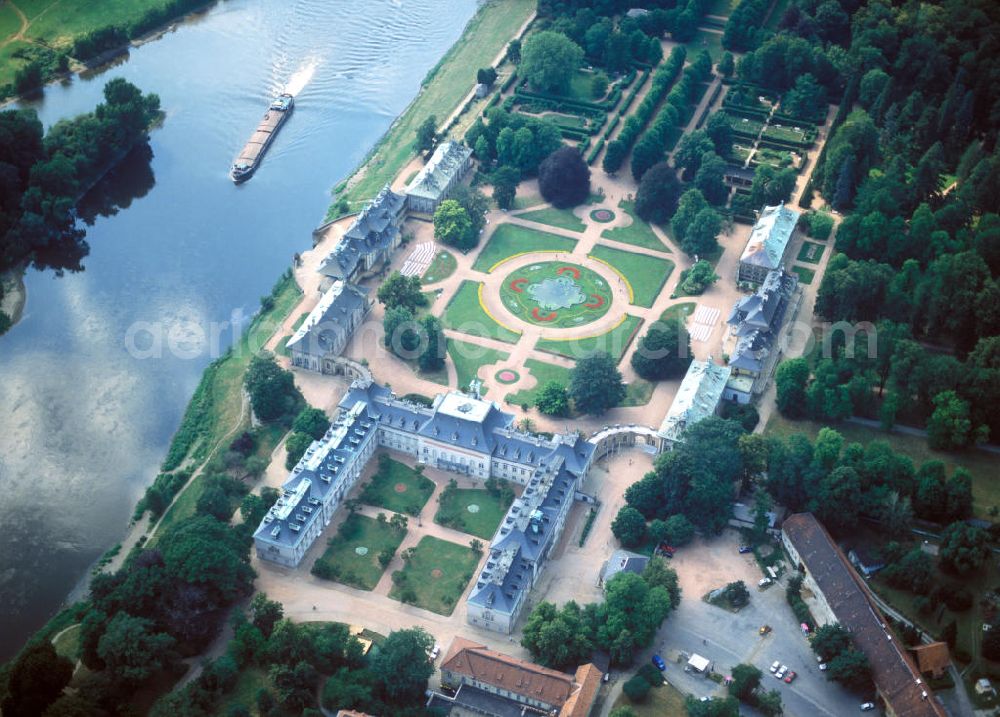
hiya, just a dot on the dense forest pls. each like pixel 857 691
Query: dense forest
pixel 43 177
pixel 914 166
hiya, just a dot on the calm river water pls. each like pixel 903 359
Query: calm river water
pixel 83 423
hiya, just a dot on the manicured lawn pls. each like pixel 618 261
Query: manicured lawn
pixel 613 342
pixel 397 487
pixel 984 467
pixel 645 274
pixel 638 392
pixel 638 233
pixel 678 312
pixel 464 313
pixel 509 239
pixel 562 218
pixel 805 275
pixel 492 27
pixel 352 555
pixel 469 358
pixel 810 253
pixel 580 85
pixel 543 373
pixel 436 575
pixel 487 511
pixel 442 266
pixel 524 202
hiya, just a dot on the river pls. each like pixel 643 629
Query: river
pixel 85 422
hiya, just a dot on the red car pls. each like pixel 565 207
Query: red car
pixel 789 677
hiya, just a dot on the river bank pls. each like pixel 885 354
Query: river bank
pixel 446 87
pixel 222 381
pixel 43 43
pixel 15 295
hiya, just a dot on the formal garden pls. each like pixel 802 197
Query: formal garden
pixel 476 511
pixel 360 551
pixel 434 575
pixel 556 294
pixel 397 487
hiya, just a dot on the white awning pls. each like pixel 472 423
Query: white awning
pixel 698 663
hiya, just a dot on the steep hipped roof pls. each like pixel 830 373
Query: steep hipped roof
pixel 329 318
pixel 623 561
pixel 932 658
pixel 756 320
pixel 574 695
pixel 697 398
pixel 896 677
pixel 770 236
pixel 438 173
pixel 372 230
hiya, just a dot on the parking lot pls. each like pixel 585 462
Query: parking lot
pixel 727 639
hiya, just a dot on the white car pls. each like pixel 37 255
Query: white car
pixel 435 652
pixel 781 672
pixel 774 666
pixel 822 666
pixel 763 582
pixel 867 706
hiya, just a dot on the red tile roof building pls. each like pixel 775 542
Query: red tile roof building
pixel 843 597
pixel 469 663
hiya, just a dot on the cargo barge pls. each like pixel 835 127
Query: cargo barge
pixel 253 152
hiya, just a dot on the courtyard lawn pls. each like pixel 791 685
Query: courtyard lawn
pixel 638 233
pixel 562 218
pixel 482 521
pixel 435 575
pixel 983 466
pixel 614 342
pixel 543 373
pixel 810 253
pixel 508 240
pixel 469 358
pixel 487 33
pixel 645 274
pixel 465 313
pixel 560 283
pixel 351 556
pixel 441 267
pixel 397 487
pixel 805 275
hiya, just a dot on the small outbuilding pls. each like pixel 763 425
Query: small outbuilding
pixel 623 561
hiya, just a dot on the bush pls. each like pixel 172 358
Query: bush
pixel 636 689
pixel 652 675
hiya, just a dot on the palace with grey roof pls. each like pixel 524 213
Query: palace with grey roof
pixel 754 325
pixel 433 184
pixel 768 243
pixel 369 241
pixel 326 330
pixel 459 433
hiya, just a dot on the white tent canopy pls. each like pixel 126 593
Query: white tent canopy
pixel 698 663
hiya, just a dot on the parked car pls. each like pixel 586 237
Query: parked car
pixel 774 666
pixel 790 677
pixel 780 674
pixel 822 666
pixel 763 582
pixel 660 664
pixel 764 629
pixel 435 651
pixel 667 550
pixel 745 549
pixel 867 706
